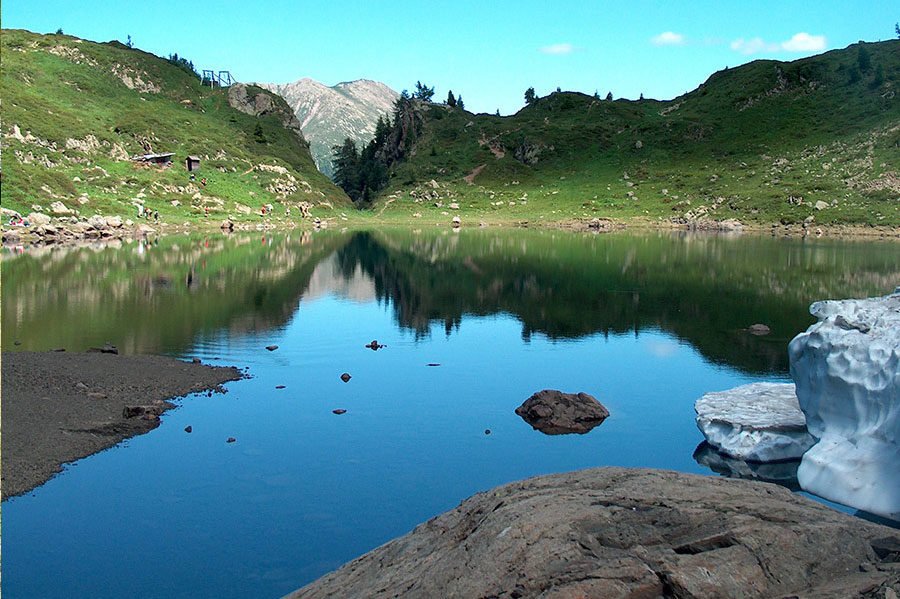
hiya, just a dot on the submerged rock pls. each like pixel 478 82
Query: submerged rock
pixel 847 371
pixel 556 413
pixel 759 422
pixel 346 377
pixel 616 532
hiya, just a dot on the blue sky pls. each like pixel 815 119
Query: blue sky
pixel 488 51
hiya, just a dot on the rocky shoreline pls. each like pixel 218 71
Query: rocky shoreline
pixel 620 532
pixel 59 406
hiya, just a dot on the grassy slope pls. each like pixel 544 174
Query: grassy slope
pixel 741 145
pixel 62 90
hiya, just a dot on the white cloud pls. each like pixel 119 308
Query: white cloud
pixel 752 46
pixel 804 42
pixel 558 49
pixel 667 38
pixel 799 42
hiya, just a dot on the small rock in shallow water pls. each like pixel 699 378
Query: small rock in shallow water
pixel 346 377
pixel 339 411
pixel 279 386
pixel 230 440
pixel 196 360
pixel 271 347
pixel 758 329
pixel 433 364
pixel 487 431
pixel 556 413
pixel 374 345
pixel 189 429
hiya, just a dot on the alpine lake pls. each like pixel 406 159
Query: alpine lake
pixel 473 323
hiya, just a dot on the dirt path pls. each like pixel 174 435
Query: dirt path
pixel 470 178
pixel 59 406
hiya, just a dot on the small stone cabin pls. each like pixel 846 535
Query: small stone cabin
pixel 192 163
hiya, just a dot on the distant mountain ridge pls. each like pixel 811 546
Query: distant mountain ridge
pixel 328 115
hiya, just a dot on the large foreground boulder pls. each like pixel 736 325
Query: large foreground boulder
pixel 557 413
pixel 616 533
pixel 847 371
pixel 759 422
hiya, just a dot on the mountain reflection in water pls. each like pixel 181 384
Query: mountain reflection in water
pixel 703 289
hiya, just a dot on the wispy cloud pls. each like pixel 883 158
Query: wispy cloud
pixel 667 38
pixel 799 42
pixel 558 49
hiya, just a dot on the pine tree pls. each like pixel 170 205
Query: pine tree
pixel 423 92
pixel 460 103
pixel 129 42
pixel 642 96
pixel 530 96
pixel 863 59
pixel 609 97
pixel 451 101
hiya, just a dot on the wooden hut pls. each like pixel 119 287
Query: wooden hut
pixel 192 163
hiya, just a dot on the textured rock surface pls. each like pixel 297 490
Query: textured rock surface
pixel 614 532
pixel 557 413
pixel 847 371
pixel 759 422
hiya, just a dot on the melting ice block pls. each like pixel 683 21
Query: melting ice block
pixel 847 371
pixel 759 422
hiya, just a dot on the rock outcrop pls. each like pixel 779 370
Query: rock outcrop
pixel 256 101
pixel 557 413
pixel 615 532
pixel 847 371
pixel 759 422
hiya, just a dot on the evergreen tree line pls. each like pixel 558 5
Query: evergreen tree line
pixel 363 172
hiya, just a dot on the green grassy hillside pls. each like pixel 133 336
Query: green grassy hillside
pixel 73 112
pixel 767 142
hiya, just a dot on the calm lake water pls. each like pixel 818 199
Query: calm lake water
pixel 646 323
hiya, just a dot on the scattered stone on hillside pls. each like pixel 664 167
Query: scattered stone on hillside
pixel 60 209
pixel 616 532
pixel 847 371
pixel 434 184
pixel 114 221
pixel 227 225
pixel 456 222
pixel 38 218
pixel 820 205
pixel 556 413
pixel 638 145
pixel 759 422
pixel 758 329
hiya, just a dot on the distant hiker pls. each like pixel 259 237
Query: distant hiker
pixel 206 211
pixel 203 181
pixel 156 215
pixel 193 178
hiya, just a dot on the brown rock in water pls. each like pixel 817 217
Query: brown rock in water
pixel 758 329
pixel 618 532
pixel 556 413
pixel 196 361
pixel 339 411
pixel 188 429
pixel 374 345
pixel 346 377
pixel 230 440
pixel 135 411
pixel 279 386
pixel 271 347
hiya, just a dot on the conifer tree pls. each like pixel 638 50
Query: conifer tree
pixel 451 101
pixel 423 92
pixel 609 97
pixel 530 96
pixel 460 103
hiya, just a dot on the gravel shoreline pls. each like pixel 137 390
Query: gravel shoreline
pixel 58 407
